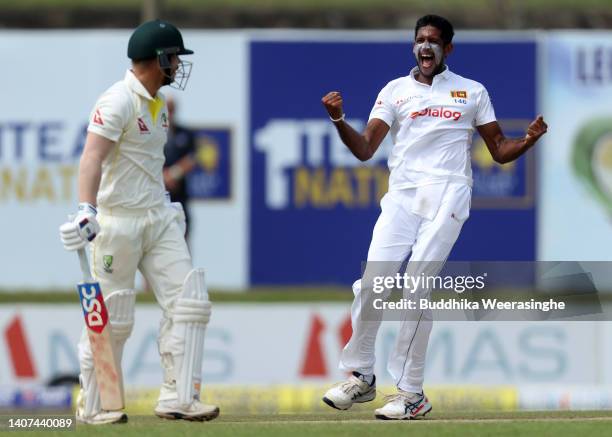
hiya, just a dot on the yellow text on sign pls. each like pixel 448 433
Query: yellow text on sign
pixel 53 183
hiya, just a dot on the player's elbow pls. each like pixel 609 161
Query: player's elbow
pixel 364 157
pixel 367 151
pixel 499 159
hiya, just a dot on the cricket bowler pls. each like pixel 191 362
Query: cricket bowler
pixel 125 214
pixel 431 115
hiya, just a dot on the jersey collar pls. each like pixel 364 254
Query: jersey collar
pixel 445 75
pixel 135 85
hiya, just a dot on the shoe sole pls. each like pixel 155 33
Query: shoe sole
pixel 419 417
pixel 331 403
pixel 122 419
pixel 180 416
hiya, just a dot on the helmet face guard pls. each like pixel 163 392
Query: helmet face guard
pixel 181 76
pixel 162 40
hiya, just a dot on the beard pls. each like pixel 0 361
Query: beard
pixel 168 79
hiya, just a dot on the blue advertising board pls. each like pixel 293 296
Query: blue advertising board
pixel 212 176
pixel 313 205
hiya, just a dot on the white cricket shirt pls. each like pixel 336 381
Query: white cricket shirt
pixel 132 175
pixel 431 127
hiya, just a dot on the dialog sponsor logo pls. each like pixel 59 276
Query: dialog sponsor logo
pixel 438 113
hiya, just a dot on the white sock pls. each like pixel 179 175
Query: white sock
pixel 367 378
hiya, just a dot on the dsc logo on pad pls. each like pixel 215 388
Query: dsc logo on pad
pixel 438 113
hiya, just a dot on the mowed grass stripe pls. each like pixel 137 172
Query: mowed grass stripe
pixel 326 425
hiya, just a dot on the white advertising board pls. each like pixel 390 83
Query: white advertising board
pixel 46 105
pixel 300 344
pixel 575 177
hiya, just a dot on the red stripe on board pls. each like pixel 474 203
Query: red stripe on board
pixel 314 360
pixel 23 365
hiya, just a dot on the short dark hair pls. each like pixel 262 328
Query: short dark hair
pixel 440 23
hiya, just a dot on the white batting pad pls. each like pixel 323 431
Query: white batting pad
pixel 190 317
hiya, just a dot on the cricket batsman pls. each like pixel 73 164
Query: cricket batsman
pixel 124 213
pixel 431 115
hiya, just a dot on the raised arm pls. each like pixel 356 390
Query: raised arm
pixel 363 145
pixel 504 150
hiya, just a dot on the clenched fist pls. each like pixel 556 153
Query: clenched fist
pixel 333 103
pixel 536 129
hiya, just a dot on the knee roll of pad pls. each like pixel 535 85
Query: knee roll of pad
pixel 121 305
pixel 191 311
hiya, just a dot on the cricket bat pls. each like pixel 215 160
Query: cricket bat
pixel 108 370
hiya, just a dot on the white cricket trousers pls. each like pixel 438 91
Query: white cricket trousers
pixel 151 241
pixel 398 233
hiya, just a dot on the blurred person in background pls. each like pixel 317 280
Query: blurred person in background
pixel 431 115
pixel 179 152
pixel 125 214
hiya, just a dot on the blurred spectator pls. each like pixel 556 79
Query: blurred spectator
pixel 179 151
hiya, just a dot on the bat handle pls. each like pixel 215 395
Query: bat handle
pixel 85 265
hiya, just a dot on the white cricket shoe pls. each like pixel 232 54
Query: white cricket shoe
pixel 352 391
pixel 197 411
pixel 404 405
pixel 101 418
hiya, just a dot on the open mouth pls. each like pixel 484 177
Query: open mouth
pixel 427 60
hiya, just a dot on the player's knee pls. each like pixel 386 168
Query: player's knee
pixel 121 305
pixel 191 311
pixel 193 304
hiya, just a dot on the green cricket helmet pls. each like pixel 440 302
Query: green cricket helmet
pixel 160 39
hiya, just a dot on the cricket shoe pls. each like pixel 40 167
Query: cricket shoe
pixel 196 411
pixel 403 406
pixel 101 418
pixel 352 391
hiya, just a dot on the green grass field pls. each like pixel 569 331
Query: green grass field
pixel 351 424
pixel 254 295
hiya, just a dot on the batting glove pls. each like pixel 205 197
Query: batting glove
pixel 75 234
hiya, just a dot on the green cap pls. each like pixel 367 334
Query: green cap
pixel 155 38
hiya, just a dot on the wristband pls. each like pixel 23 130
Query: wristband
pixel 336 120
pixel 85 207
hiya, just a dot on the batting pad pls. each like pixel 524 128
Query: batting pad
pixel 190 317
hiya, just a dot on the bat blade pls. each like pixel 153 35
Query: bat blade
pixel 108 371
